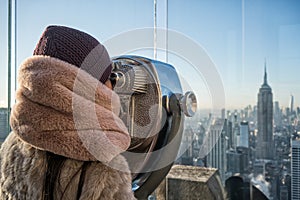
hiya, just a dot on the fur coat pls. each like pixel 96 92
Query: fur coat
pixel 63 110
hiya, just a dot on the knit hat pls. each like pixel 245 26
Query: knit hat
pixel 77 48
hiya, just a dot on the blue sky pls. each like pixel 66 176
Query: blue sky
pixel 237 35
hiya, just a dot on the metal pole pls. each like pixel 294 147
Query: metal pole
pixel 15 50
pixel 155 30
pixel 9 64
pixel 167 30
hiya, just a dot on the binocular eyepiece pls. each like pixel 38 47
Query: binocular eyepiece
pixel 133 74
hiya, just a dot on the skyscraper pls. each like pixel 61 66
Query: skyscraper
pixel 244 134
pixel 265 141
pixel 277 114
pixel 292 104
pixel 3 124
pixel 217 156
pixel 295 192
pixel 236 132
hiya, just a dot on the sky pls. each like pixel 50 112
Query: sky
pixel 238 36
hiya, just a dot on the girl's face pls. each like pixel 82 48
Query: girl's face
pixel 108 84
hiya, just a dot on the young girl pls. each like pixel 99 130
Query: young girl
pixel 66 135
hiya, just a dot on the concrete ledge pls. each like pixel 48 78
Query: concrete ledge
pixel 190 182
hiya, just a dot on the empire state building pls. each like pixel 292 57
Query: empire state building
pixel 265 142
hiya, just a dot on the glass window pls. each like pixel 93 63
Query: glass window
pixel 230 53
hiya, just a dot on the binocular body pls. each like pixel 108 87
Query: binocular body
pixel 152 107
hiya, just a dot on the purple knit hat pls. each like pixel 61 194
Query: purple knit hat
pixel 77 48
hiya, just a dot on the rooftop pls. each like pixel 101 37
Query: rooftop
pixel 191 173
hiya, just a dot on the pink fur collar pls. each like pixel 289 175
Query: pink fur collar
pixel 62 109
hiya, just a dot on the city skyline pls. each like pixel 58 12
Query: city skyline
pixel 255 146
pixel 237 35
